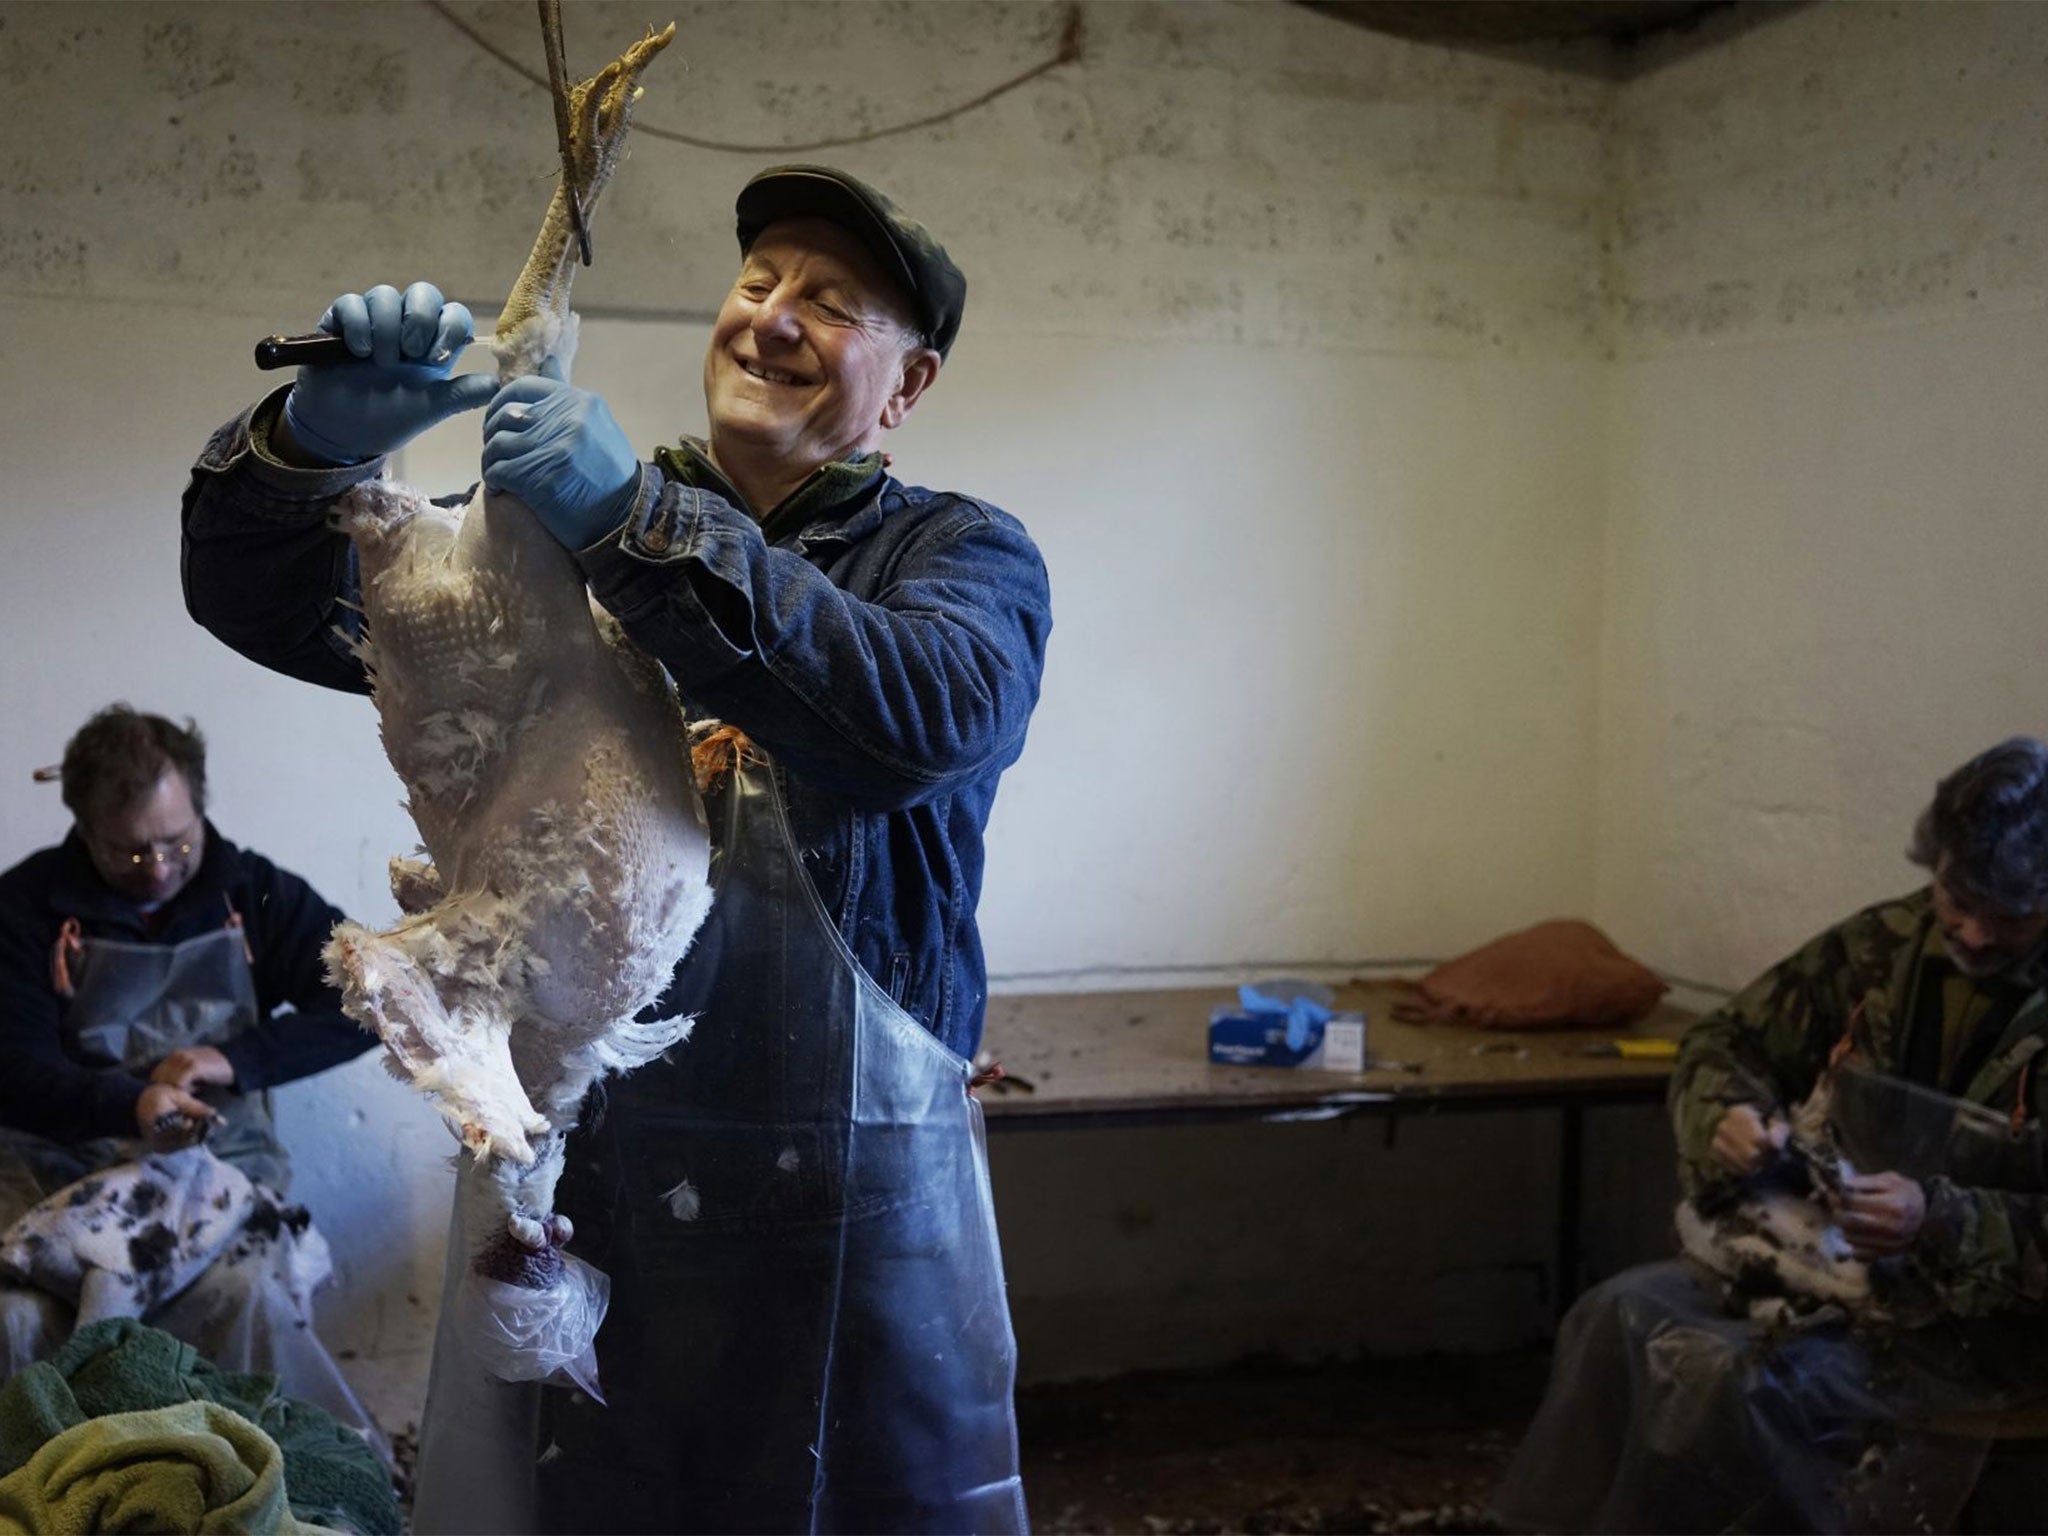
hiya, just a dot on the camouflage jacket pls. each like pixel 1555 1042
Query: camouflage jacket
pixel 1984 1248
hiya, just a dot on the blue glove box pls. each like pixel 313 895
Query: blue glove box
pixel 1260 1040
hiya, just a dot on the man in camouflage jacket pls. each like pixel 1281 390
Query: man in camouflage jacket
pixel 1947 988
pixel 1668 1409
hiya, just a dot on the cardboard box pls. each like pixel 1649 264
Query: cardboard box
pixel 1260 1040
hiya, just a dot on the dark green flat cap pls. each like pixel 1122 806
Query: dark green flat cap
pixel 904 248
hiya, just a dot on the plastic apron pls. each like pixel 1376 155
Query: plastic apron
pixel 133 1004
pixel 129 1006
pixel 1666 1413
pixel 121 1000
pixel 808 1328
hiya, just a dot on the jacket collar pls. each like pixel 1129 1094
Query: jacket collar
pixel 2025 1034
pixel 78 891
pixel 838 502
pixel 2020 1041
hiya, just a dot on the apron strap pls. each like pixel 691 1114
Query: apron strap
pixel 2019 1103
pixel 1852 1036
pixel 235 922
pixel 69 946
pixel 992 1073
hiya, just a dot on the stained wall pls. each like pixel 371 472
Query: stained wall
pixel 1283 341
pixel 1824 507
pixel 1476 490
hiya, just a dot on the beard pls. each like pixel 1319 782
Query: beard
pixel 1977 963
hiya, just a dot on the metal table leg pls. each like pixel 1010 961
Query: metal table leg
pixel 1570 1178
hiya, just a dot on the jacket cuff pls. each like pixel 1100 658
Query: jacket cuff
pixel 638 506
pixel 285 490
pixel 114 1096
pixel 1946 1231
pixel 246 1054
pixel 1697 1113
pixel 675 536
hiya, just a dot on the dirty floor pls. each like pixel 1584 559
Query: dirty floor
pixel 1403 1446
pixel 1408 1446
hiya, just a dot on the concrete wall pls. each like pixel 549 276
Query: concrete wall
pixel 1192 1245
pixel 1822 531
pixel 1826 463
pixel 1282 342
pixel 1474 491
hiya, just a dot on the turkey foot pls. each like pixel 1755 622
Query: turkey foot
pixel 527 1253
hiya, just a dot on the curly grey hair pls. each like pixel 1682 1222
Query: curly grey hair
pixel 1989 821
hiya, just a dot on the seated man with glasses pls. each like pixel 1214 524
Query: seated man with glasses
pixel 143 964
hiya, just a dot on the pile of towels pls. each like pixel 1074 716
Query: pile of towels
pixel 129 1429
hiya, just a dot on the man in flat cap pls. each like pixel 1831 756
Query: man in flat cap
pixel 808 1328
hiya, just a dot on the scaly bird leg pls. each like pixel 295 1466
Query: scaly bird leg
pixel 536 314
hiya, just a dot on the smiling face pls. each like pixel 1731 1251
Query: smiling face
pixel 813 358
pixel 149 848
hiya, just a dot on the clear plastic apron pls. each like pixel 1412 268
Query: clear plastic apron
pixel 133 1004
pixel 126 1007
pixel 130 1005
pixel 1886 1122
pixel 808 1328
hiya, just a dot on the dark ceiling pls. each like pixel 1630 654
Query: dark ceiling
pixel 1596 37
pixel 1495 22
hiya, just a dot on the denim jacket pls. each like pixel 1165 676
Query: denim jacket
pixel 883 642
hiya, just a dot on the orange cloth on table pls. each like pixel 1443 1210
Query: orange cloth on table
pixel 1556 975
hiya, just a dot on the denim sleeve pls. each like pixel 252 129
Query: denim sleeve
pixel 883 700
pixel 262 568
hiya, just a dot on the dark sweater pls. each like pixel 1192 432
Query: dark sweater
pixel 43 1089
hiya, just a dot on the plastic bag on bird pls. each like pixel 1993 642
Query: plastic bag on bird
pixel 543 1333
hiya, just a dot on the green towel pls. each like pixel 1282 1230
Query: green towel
pixel 194 1467
pixel 35 1406
pixel 121 1365
pixel 116 1366
pixel 330 1473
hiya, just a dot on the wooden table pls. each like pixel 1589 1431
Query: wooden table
pixel 1098 1059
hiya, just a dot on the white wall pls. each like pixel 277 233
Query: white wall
pixel 1278 613
pixel 1473 491
pixel 1284 341
pixel 1825 521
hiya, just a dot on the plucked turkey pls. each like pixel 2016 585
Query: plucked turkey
pixel 1774 1241
pixel 546 769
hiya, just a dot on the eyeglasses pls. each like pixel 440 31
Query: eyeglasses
pixel 169 850
pixel 161 853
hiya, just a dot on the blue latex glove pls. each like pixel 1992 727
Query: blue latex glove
pixel 346 413
pixel 1303 1013
pixel 557 449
